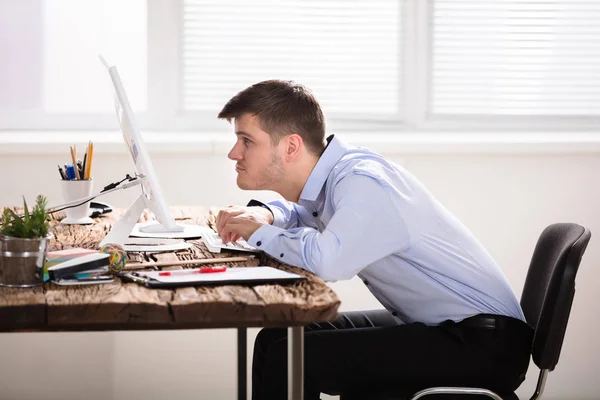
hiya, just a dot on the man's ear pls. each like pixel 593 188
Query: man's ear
pixel 293 145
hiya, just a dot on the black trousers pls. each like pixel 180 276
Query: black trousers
pixel 368 355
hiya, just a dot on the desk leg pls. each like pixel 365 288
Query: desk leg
pixel 242 351
pixel 296 363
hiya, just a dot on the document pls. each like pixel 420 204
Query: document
pixel 155 245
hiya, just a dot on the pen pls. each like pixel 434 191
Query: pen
pixel 70 172
pixel 90 275
pixel 203 270
pixel 84 166
pixel 62 173
pixel 89 278
pixel 80 168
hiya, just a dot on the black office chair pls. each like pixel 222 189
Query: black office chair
pixel 546 301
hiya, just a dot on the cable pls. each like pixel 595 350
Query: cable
pixel 115 184
pixel 133 181
pixel 76 205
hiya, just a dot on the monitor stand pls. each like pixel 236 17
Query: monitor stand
pixel 128 225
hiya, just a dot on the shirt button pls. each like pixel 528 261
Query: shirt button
pixel 395 314
pixel 258 243
pixel 366 283
pixel 315 214
pixel 281 255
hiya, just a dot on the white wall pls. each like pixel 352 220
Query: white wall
pixel 505 199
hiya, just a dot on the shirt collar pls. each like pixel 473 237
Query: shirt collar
pixel 332 154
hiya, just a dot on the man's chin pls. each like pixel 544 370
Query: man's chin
pixel 243 185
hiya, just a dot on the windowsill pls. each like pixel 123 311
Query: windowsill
pixel 50 142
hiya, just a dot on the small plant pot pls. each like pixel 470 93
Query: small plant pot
pixel 22 261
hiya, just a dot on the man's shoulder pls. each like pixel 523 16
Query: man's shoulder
pixel 357 170
pixel 358 161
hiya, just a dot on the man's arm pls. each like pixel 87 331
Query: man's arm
pixel 285 213
pixel 365 227
pixel 279 213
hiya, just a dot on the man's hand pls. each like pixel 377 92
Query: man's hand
pixel 236 222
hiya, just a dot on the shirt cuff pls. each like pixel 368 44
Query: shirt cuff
pixel 263 236
pixel 278 216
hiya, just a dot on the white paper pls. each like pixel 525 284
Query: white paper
pixel 189 231
pixel 155 244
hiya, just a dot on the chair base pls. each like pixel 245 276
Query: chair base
pixel 457 391
pixel 427 396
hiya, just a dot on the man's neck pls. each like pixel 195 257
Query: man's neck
pixel 296 178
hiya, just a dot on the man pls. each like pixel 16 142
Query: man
pixel 450 316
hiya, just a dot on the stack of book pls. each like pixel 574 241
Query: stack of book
pixel 77 267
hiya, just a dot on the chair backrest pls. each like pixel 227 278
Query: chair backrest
pixel 550 287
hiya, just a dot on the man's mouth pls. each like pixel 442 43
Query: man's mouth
pixel 239 168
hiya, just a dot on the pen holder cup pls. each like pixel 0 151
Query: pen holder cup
pixel 22 261
pixel 74 190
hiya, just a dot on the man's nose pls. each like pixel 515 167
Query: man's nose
pixel 234 153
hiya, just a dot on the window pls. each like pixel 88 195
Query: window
pixel 516 58
pixel 386 65
pixel 347 52
pixel 50 73
pixel 350 53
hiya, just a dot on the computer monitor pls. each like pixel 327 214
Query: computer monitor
pixel 152 197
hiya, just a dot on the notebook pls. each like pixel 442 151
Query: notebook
pixel 60 256
pixel 90 262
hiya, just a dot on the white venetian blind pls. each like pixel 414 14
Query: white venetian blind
pixel 347 51
pixel 516 57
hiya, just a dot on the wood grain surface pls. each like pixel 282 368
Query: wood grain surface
pixel 129 306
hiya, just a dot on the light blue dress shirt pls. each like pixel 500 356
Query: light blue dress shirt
pixel 360 214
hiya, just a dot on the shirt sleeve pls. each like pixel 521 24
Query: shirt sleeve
pixel 364 228
pixel 286 215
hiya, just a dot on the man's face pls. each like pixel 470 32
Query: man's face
pixel 258 164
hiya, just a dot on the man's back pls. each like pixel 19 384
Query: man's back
pixel 441 272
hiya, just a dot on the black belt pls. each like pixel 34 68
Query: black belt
pixel 490 321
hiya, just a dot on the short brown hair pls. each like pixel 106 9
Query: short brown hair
pixel 282 108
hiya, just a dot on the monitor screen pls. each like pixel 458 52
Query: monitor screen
pixel 155 199
pixel 152 196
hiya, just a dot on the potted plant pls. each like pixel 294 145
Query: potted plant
pixel 23 244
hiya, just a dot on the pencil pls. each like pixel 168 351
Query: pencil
pixel 187 262
pixel 88 160
pixel 90 153
pixel 74 157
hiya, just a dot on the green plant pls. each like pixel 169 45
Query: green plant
pixel 30 225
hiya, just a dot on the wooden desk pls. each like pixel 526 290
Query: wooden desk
pixel 129 306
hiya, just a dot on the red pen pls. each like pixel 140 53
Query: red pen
pixel 203 270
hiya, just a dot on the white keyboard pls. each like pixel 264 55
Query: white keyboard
pixel 214 243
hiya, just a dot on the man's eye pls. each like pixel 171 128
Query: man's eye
pixel 247 141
